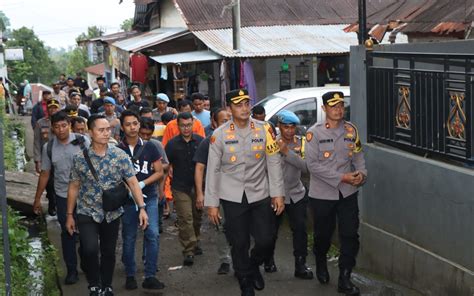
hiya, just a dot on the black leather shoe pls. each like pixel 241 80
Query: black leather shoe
pixel 71 278
pixel 270 266
pixel 345 285
pixel 188 260
pixel 224 268
pixel 246 286
pixel 301 270
pixel 322 273
pixel 258 281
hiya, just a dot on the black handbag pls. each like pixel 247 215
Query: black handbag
pixel 113 198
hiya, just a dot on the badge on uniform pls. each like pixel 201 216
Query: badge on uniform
pixel 327 154
pixel 212 140
pixel 258 155
pixel 350 135
pixel 230 137
pixel 309 136
pixel 231 148
pixel 233 158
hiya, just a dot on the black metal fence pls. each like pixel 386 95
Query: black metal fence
pixel 422 102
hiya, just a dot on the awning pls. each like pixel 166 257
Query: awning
pixel 187 57
pixel 293 40
pixel 150 38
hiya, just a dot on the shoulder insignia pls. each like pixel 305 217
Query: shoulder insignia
pixel 272 146
pixel 309 136
pixel 213 139
pixel 352 130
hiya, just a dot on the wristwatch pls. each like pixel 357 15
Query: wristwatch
pixel 142 206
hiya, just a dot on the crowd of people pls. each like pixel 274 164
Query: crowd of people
pixel 125 160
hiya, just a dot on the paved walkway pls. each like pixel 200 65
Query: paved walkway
pixel 202 279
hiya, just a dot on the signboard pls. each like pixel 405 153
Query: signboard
pixel 14 54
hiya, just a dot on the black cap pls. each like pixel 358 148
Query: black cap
pixel 237 95
pixel 100 78
pixel 332 98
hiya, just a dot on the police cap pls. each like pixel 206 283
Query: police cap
pixel 237 95
pixel 332 98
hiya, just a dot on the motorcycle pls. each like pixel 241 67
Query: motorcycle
pixel 22 106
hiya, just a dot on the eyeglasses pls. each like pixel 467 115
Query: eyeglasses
pixel 186 126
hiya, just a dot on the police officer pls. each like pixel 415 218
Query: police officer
pixel 292 150
pixel 244 173
pixel 336 164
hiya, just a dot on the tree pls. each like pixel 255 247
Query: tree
pixel 37 65
pixel 127 25
pixel 77 60
pixel 4 24
pixel 92 32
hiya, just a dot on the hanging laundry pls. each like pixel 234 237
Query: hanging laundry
pixel 164 72
pixel 249 81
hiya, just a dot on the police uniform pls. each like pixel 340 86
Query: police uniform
pixel 243 172
pixel 332 152
pixel 296 201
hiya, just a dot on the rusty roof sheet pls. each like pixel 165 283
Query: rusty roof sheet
pixel 424 15
pixel 280 40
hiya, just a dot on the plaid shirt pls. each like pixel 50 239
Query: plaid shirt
pixel 110 168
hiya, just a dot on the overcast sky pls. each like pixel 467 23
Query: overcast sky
pixel 58 23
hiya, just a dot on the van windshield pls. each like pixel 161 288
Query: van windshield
pixel 270 103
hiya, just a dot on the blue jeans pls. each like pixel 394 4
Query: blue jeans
pixel 151 238
pixel 68 242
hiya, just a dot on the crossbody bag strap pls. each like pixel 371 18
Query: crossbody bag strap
pixel 139 152
pixel 89 164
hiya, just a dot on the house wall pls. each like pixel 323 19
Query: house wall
pixel 416 213
pixel 170 17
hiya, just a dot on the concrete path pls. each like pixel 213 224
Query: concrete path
pixel 202 279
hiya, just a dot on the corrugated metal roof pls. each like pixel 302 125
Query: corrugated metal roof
pixel 187 57
pixel 149 39
pixel 210 14
pixel 280 40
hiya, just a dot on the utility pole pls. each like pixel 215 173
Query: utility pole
pixel 236 25
pixel 3 192
pixel 362 22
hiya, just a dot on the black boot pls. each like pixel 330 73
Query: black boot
pixel 301 270
pixel 345 285
pixel 322 272
pixel 246 286
pixel 269 265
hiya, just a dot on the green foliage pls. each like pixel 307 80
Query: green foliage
pixel 36 66
pixel 20 249
pixel 9 149
pixel 4 21
pixel 92 32
pixel 77 60
pixel 127 25
pixel 19 252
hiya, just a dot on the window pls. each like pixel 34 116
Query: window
pixel 306 111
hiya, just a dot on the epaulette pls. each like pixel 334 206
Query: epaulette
pixel 351 128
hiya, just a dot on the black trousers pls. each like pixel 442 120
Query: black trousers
pixel 325 214
pixel 93 236
pixel 297 216
pixel 50 193
pixel 241 221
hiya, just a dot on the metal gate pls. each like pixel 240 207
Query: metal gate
pixel 422 103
